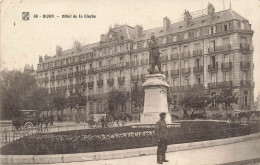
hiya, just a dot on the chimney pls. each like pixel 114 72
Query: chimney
pixel 187 17
pixel 40 59
pixel 76 46
pixel 211 11
pixel 138 31
pixel 102 38
pixel 58 50
pixel 166 23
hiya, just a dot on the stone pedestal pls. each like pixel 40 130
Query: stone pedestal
pixel 155 101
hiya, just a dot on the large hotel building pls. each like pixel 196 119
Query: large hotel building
pixel 211 51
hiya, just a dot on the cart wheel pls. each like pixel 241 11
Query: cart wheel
pixel 28 125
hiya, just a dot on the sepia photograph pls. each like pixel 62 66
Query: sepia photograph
pixel 130 82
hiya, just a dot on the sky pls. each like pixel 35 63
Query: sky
pixel 23 41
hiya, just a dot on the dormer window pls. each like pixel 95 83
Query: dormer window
pixel 135 46
pixel 225 27
pixel 186 35
pixel 174 38
pixel 164 40
pixel 197 33
pixel 212 30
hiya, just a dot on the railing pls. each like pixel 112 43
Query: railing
pixel 46 79
pixel 185 54
pixel 58 77
pixel 144 61
pixel 70 74
pixel 198 69
pixel 226 66
pixel 90 85
pixel 135 63
pixel 197 52
pixel 175 73
pixel 82 72
pixel 92 70
pixel 244 65
pixel 70 86
pixel 164 58
pixel 99 82
pixel 223 84
pixel 245 83
pixel 110 82
pixel 186 71
pixel 64 87
pixel 219 48
pixel 135 78
pixel 121 80
pixel 174 56
pixel 213 68
pixel 244 47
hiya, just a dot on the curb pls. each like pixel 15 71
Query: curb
pixel 118 154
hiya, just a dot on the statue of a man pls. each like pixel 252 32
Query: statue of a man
pixel 154 55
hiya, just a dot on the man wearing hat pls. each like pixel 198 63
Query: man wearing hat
pixel 161 134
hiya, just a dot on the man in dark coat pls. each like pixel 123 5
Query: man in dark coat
pixel 154 54
pixel 161 134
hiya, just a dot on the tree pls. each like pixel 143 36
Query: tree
pixel 226 97
pixel 137 98
pixel 116 99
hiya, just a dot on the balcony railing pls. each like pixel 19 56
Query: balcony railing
pixel 185 54
pixel 223 84
pixel 223 48
pixel 213 68
pixel 135 78
pixel 135 63
pixel 99 82
pixel 76 73
pixel 185 87
pixel 82 72
pixel 46 79
pixel 144 61
pixel 58 77
pixel 164 58
pixel 186 71
pixel 174 56
pixel 92 70
pixel 70 86
pixel 90 85
pixel 58 88
pixel 175 73
pixel 70 74
pixel 52 78
pixel 110 82
pixel 198 69
pixel 244 47
pixel 245 83
pixel 143 77
pixel 226 66
pixel 244 65
pixel 52 89
pixel 64 87
pixel 64 76
pixel 121 80
pixel 197 52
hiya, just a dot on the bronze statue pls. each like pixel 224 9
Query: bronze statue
pixel 154 56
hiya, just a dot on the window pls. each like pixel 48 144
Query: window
pixel 226 41
pixel 197 63
pixel 90 78
pixel 226 76
pixel 164 40
pixel 245 98
pixel 135 58
pixel 186 35
pixel 110 51
pixel 164 67
pixel 175 101
pixel 175 65
pixel 175 82
pixel 243 40
pixel 135 46
pixel 110 62
pixel 212 45
pixel 245 75
pixel 121 59
pixel 212 30
pixel 100 76
pixel 213 61
pixel 197 33
pixel 145 44
pixel 52 73
pixel 213 95
pixel 110 75
pixel 185 48
pixel 186 64
pixel 174 50
pixel 197 47
pixel 226 27
pixel 71 70
pixel 198 80
pixel 213 77
pixel 121 73
pixel 186 80
pixel 174 38
pixel 226 58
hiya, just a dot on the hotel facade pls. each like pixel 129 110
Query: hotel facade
pixel 209 52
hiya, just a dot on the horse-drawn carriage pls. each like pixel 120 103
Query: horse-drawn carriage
pixel 25 120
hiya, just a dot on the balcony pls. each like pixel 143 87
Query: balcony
pixel 244 47
pixel 143 77
pixel 58 77
pixel 211 49
pixel 226 66
pixel 121 80
pixel 100 82
pixel 198 87
pixel 64 76
pixel 175 88
pixel 46 79
pixel 197 52
pixel 70 86
pixel 52 90
pixel 58 89
pixel 135 78
pixel 213 68
pixel 64 87
pixel 144 61
pixel 244 65
pixel 163 58
pixel 223 84
pixel 70 74
pixel 198 69
pixel 185 54
pixel 245 83
pixel 122 65
pixel 185 87
pixel 223 48
pixel 175 73
pixel 186 71
pixel 110 82
pixel 135 63
pixel 52 78
pixel 76 73
pixel 174 56
pixel 90 85
pixel 92 70
pixel 82 72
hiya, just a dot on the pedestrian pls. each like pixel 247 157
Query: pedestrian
pixel 161 134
